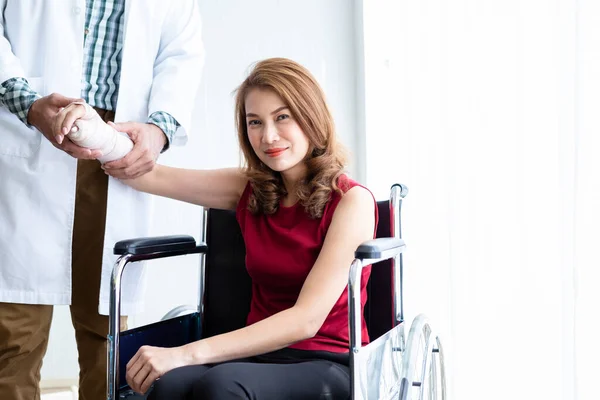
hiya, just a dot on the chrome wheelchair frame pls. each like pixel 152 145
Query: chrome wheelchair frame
pixel 387 368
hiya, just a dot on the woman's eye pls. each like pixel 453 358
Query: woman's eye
pixel 282 116
pixel 253 122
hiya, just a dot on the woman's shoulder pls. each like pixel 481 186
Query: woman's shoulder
pixel 357 201
pixel 358 194
pixel 347 184
pixel 351 192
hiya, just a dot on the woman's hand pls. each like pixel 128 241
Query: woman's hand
pixel 150 363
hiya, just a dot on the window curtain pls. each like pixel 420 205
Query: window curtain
pixel 489 111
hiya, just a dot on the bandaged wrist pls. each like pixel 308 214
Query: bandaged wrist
pixel 93 133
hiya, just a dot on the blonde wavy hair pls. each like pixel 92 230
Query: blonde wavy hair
pixel 325 159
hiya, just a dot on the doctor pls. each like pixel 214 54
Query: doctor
pixel 135 61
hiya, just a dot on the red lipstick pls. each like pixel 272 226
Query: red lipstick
pixel 275 152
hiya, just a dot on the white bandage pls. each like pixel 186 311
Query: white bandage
pixel 93 133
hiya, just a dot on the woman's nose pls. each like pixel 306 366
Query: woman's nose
pixel 270 134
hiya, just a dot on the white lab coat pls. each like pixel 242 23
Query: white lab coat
pixel 43 41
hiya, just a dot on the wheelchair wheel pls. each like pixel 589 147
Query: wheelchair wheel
pixel 423 370
pixel 179 311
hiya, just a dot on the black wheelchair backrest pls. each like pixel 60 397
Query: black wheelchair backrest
pixel 379 314
pixel 228 287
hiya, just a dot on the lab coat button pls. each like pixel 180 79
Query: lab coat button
pixel 76 10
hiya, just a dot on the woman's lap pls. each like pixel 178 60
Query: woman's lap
pixel 318 379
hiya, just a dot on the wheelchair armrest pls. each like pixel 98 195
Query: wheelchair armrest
pixel 380 249
pixel 164 245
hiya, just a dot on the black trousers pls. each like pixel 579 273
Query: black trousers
pixel 284 374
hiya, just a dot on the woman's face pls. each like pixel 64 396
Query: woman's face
pixel 274 134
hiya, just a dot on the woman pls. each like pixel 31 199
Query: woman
pixel 301 219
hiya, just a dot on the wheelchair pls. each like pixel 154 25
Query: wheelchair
pixel 389 367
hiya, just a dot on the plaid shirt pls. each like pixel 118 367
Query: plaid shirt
pixel 102 54
pixel 17 96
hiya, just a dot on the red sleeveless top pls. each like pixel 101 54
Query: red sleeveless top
pixel 281 249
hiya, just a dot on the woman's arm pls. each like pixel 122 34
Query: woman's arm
pixel 218 188
pixel 353 223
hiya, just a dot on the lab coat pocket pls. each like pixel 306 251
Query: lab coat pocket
pixel 16 138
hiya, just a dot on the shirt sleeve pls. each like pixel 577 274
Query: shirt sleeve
pixel 17 97
pixel 167 123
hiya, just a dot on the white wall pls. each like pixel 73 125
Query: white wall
pixel 318 34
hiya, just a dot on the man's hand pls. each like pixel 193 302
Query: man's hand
pixel 150 363
pixel 43 114
pixel 148 141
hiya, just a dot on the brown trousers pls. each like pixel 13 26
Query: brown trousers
pixel 24 328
